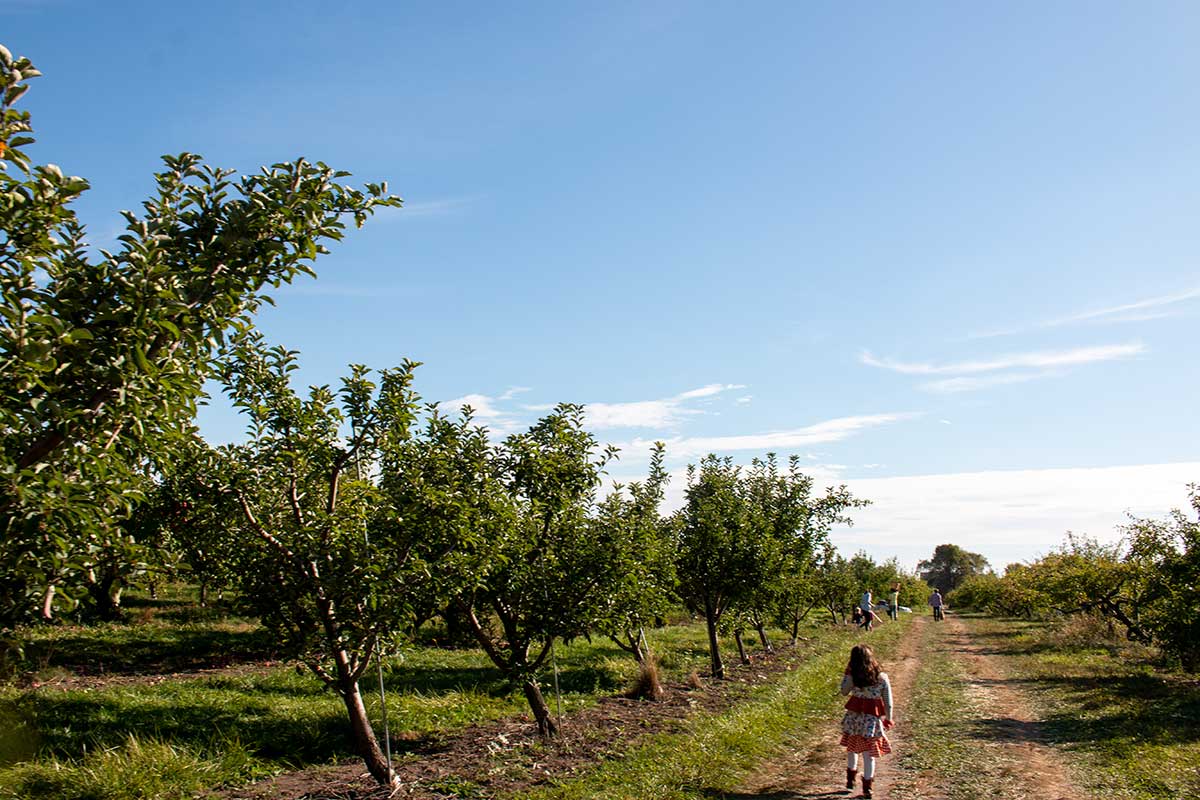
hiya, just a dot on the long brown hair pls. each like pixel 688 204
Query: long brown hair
pixel 864 669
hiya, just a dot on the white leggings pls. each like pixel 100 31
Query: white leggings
pixel 868 763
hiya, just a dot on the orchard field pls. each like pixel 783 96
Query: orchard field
pixel 183 702
pixel 368 596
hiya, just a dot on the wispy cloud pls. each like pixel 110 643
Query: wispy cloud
pixel 1129 311
pixel 965 384
pixel 1042 359
pixel 1138 311
pixel 774 441
pixel 427 208
pixel 709 390
pixel 667 412
pixel 663 414
pixel 513 391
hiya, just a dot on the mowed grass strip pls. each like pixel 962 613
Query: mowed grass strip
pixel 169 738
pixel 716 751
pixel 939 759
pixel 1130 730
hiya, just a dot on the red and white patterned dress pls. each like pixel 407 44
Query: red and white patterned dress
pixel 862 725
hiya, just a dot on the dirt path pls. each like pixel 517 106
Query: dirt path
pixel 1012 747
pixel 820 770
pixel 1010 729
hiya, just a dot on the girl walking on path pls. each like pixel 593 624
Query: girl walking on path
pixel 868 715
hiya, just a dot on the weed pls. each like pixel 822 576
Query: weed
pixel 647 685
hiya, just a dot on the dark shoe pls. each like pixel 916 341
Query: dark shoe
pixel 867 787
pixel 850 773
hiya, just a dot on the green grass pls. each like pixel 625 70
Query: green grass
pixel 1132 729
pixel 714 752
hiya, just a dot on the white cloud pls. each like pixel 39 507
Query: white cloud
pixel 668 412
pixel 640 414
pixel 1043 359
pixel 709 390
pixel 1138 311
pixel 773 441
pixel 1008 515
pixel 498 421
pixel 744 399
pixel 675 494
pixel 320 289
pixel 962 384
pixel 425 208
pixel 481 406
pixel 1122 313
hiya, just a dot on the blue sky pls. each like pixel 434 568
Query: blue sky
pixel 909 243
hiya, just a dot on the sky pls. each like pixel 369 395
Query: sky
pixel 946 253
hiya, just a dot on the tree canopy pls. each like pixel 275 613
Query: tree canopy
pixel 950 565
pixel 103 355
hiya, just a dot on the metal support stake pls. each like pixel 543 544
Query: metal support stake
pixel 557 693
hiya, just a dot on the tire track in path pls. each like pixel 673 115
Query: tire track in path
pixel 818 772
pixel 1007 728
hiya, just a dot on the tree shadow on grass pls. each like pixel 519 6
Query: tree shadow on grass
pixel 150 650
pixel 490 681
pixel 1142 708
pixel 253 711
pixel 68 725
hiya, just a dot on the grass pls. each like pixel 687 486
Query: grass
pixel 1132 729
pixel 714 752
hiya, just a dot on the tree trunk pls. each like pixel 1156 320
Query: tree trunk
pixel 762 637
pixel 714 647
pixel 639 655
pixel 203 594
pixel 106 594
pixel 631 644
pixel 643 646
pixel 365 743
pixel 48 603
pixel 541 712
pixel 737 637
pixel 795 631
